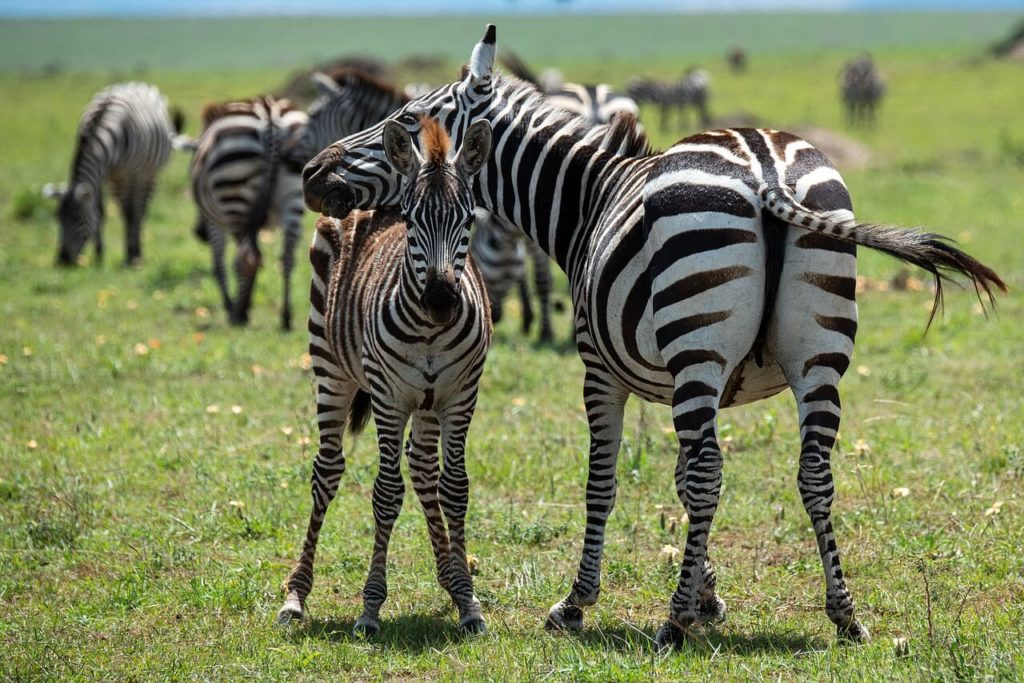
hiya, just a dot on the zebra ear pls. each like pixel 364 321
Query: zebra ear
pixel 399 148
pixel 476 148
pixel 325 85
pixel 481 64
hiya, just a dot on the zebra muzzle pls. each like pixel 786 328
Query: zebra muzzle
pixel 440 296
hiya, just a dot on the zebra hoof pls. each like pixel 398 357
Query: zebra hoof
pixel 290 612
pixel 712 611
pixel 668 638
pixel 473 626
pixel 564 617
pixel 853 632
pixel 365 629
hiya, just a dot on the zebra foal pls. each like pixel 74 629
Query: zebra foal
pixel 399 322
pixel 125 137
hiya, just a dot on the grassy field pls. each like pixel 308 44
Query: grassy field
pixel 154 462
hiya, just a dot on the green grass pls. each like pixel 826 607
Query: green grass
pixel 143 536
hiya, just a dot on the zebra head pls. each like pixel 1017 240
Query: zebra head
pixel 355 172
pixel 437 203
pixel 79 213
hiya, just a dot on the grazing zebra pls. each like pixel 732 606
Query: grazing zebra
pixel 689 91
pixel 716 273
pixel 736 58
pixel 861 88
pixel 125 136
pixel 500 249
pixel 350 100
pixel 399 322
pixel 594 103
pixel 246 169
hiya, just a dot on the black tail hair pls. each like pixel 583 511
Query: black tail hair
pixel 177 120
pixel 359 412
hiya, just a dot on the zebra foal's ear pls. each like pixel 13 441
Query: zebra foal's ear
pixel 476 148
pixel 399 149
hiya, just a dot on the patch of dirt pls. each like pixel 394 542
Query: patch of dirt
pixel 847 154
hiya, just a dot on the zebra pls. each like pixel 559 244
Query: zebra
pixel 246 169
pixel 125 137
pixel 593 102
pixel 689 91
pixel 714 274
pixel 500 249
pixel 861 88
pixel 736 58
pixel 399 323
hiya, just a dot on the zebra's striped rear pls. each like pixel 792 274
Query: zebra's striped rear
pixel 125 137
pixel 246 169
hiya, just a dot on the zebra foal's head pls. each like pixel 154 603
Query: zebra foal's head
pixel 437 201
pixel 79 213
pixel 355 173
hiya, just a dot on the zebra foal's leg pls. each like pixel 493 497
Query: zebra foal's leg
pixel 454 491
pixel 424 469
pixel 388 493
pixel 819 408
pixel 698 484
pixel 333 399
pixel 605 402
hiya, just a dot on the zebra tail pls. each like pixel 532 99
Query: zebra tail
pixel 359 413
pixel 932 252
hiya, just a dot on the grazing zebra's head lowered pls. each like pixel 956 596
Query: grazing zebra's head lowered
pixel 437 204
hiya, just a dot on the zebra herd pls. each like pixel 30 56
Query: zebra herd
pixel 714 274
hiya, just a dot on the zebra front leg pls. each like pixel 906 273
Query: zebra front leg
pixel 525 304
pixel 388 493
pixel 333 399
pixel 247 264
pixel 216 238
pixel 695 409
pixel 424 469
pixel 819 408
pixel 292 230
pixel 134 202
pixel 605 403
pixel 454 491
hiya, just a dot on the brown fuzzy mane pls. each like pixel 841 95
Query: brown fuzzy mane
pixel 435 140
pixel 218 110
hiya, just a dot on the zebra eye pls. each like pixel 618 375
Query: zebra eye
pixel 407 119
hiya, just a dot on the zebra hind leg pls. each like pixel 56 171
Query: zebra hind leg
pixel 247 264
pixel 333 399
pixel 292 231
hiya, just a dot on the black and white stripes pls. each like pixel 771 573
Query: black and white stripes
pixel 714 274
pixel 399 323
pixel 124 136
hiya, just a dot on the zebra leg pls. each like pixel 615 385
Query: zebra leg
pixel 454 491
pixel 699 477
pixel 542 283
pixel 605 403
pixel 525 304
pixel 710 607
pixel 333 399
pixel 424 469
pixel 134 202
pixel 292 230
pixel 217 238
pixel 247 264
pixel 388 493
pixel 819 408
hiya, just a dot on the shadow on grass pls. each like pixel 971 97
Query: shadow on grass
pixel 407 632
pixel 707 641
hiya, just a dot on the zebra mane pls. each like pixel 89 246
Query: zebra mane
pixel 213 111
pixel 354 76
pixel 527 95
pixel 436 143
pixel 511 61
pixel 86 134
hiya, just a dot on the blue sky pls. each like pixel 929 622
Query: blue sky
pixel 60 8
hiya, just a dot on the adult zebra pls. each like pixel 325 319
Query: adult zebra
pixel 714 274
pixel 246 169
pixel 125 137
pixel 861 88
pixel 399 321
pixel 689 91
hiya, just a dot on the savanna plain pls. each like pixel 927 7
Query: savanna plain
pixel 154 462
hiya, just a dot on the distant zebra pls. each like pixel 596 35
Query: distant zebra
pixel 350 100
pixel 500 249
pixel 861 89
pixel 594 103
pixel 125 137
pixel 717 273
pixel 736 58
pixel 689 91
pixel 244 172
pixel 399 322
